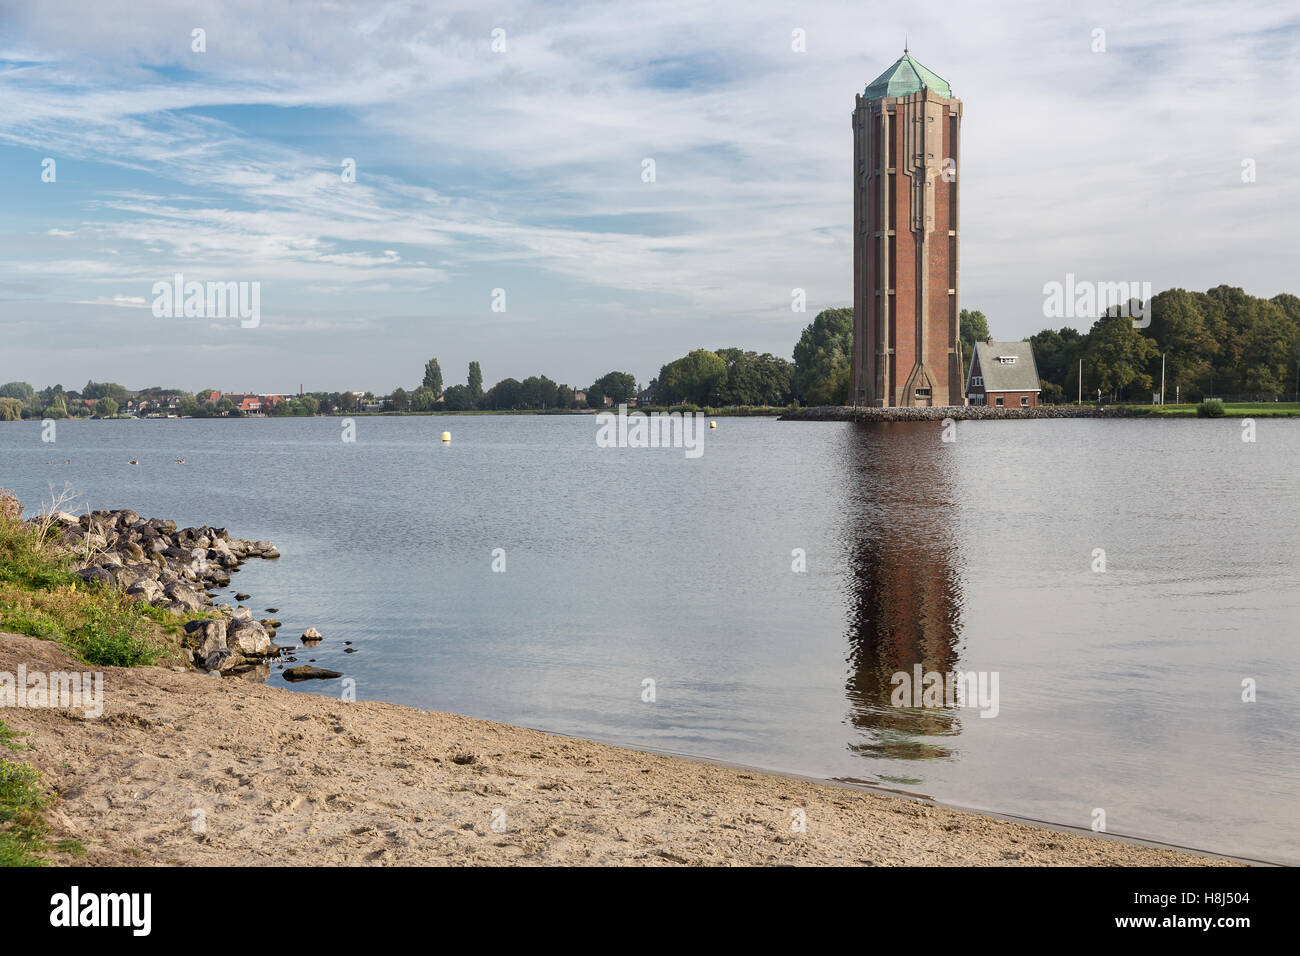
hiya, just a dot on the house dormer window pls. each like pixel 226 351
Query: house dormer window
pixel 1007 359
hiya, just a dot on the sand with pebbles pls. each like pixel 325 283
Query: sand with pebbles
pixel 187 769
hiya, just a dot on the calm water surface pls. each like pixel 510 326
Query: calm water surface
pixel 1118 690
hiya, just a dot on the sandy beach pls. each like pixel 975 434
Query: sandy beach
pixel 183 768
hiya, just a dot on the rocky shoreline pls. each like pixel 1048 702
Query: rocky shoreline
pixel 848 413
pixel 179 569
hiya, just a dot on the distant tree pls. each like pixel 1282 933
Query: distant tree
pixel 106 407
pixel 433 376
pixel 972 327
pixel 475 383
pixel 821 358
pixel 51 396
pixel 1268 352
pixel 457 399
pixel 1118 355
pixel 19 390
pixel 564 397
pixel 423 400
pixel 11 409
pixel 399 401
pixel 695 377
pixel 103 390
pixel 619 386
pixel 505 394
pixel 1050 393
pixel 538 391
pixel 1056 354
pixel 595 397
pixel 754 379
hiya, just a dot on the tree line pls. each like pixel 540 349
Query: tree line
pixel 1219 342
pixel 537 392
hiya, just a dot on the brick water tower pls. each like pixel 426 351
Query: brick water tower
pixel 906 152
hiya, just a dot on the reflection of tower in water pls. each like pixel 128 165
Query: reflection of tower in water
pixel 903 586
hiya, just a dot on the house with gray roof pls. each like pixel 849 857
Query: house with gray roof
pixel 1003 374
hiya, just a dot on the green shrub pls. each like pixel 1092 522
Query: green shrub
pixel 1210 408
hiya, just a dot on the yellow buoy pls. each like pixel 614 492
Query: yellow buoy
pixel 713 424
pixel 446 436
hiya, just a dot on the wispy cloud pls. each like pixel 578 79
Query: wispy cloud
pixel 523 169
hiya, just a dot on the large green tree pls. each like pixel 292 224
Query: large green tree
pixel 822 358
pixel 475 383
pixel 423 400
pixel 1118 356
pixel 457 398
pixel 104 390
pixel 695 377
pixel 505 394
pixel 619 386
pixel 19 390
pixel 754 379
pixel 433 376
pixel 538 391
pixel 1179 330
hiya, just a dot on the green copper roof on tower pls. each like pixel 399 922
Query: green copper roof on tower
pixel 906 76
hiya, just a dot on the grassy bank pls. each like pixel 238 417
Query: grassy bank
pixel 1230 410
pixel 41 595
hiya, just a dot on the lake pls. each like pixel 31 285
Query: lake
pixel 1119 690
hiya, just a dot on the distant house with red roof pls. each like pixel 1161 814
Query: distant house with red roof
pixel 248 403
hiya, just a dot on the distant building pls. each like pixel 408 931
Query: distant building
pixel 1003 374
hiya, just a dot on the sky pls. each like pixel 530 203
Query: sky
pixel 505 147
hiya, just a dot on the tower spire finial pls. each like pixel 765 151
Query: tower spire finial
pixel 905 50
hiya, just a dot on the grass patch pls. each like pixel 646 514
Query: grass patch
pixel 1230 410
pixel 9 737
pixel 28 561
pixel 23 801
pixel 100 625
pixel 41 596
pixel 22 826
